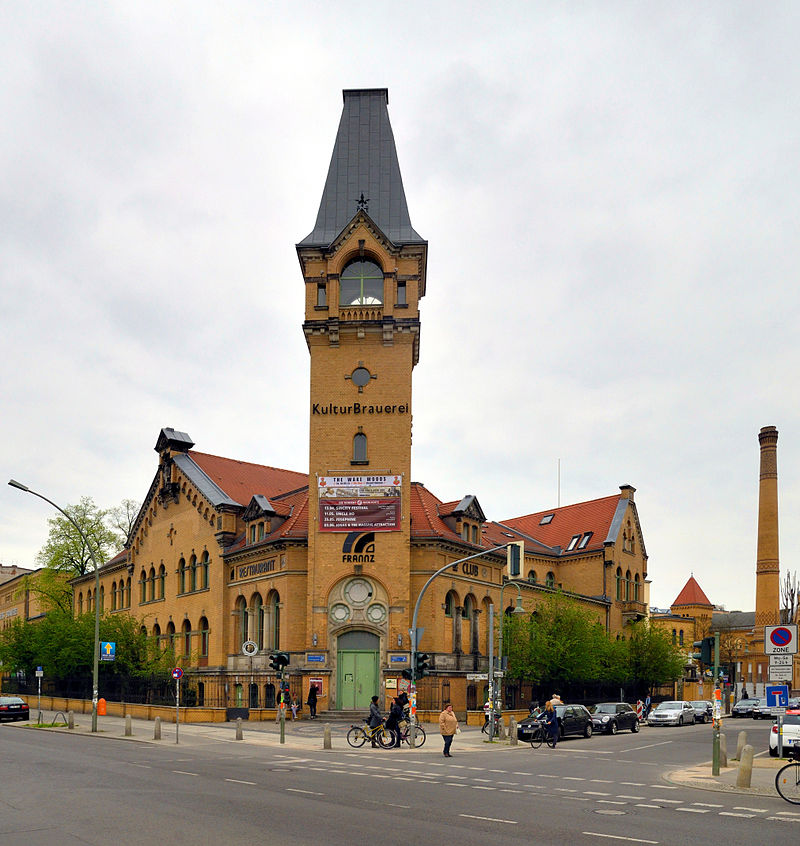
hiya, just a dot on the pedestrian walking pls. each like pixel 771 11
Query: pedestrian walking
pixel 448 727
pixel 375 717
pixel 312 702
pixel 393 722
pixel 551 721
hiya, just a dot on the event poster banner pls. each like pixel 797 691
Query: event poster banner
pixel 359 503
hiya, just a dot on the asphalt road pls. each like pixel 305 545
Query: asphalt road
pixel 62 789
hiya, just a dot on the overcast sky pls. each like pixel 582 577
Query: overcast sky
pixel 610 192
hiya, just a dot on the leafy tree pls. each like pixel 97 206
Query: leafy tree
pixel 122 517
pixel 65 549
pixel 653 658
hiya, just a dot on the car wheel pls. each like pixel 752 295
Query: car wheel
pixel 587 732
pixel 680 720
pixel 635 726
pixel 612 729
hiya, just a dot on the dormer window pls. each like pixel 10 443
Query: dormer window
pixel 548 518
pixel 361 283
pixel 573 543
pixel 585 540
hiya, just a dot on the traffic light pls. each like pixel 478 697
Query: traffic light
pixel 278 660
pixel 406 674
pixel 421 664
pixel 514 554
pixel 706 651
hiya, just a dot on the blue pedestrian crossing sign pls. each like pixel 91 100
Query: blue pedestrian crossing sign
pixel 108 650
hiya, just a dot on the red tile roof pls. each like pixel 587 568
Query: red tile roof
pixel 594 516
pixel 425 519
pixel 692 594
pixel 241 480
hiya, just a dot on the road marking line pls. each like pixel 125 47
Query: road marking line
pixel 733 814
pixel 601 781
pixel 783 819
pixel 632 783
pixel 595 793
pixel 708 805
pixel 452 784
pixel 239 781
pixel 481 787
pixel 649 746
pixel 484 779
pixel 618 837
pixel 543 775
pixel 664 786
pixel 610 802
pixel 506 790
pixel 788 814
pixel 310 792
pixel 489 819
pixel 694 810
pixel 669 801
pixel 573 778
pixel 181 772
pixel 642 805
pixel 624 796
pixel 754 810
pixel 565 790
pixel 143 766
pixel 514 783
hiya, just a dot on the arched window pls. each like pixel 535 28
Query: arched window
pixel 636 587
pixel 128 592
pixel 182 576
pixel 204 562
pixel 256 630
pixel 619 582
pixel 193 573
pixel 361 283
pixel 360 447
pixel 143 587
pixel 550 580
pixel 157 634
pixel 680 637
pixel 151 584
pixel 272 628
pixel 201 694
pixel 241 622
pixel 628 585
pixel 162 577
pixel 186 631
pixel 532 576
pixel 203 637
pixel 449 604
pixel 471 616
pixel 113 596
pixel 674 637
pixel 102 598
pixel 80 602
pixel 171 636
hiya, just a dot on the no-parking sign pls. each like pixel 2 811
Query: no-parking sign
pixel 780 640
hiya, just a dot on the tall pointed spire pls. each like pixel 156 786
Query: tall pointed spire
pixel 364 174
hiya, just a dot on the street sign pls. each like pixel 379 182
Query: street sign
pixel 177 673
pixel 477 676
pixel 498 674
pixel 780 660
pixel 780 673
pixel 39 673
pixel 777 695
pixel 108 650
pixel 780 639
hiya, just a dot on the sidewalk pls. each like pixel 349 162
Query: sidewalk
pixel 762 782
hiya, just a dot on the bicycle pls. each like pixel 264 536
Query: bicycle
pixel 406 732
pixel 539 735
pixel 485 726
pixel 359 735
pixel 787 780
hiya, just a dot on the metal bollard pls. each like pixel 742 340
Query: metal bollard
pixel 128 726
pixel 239 728
pixel 745 772
pixel 71 720
pixel 512 732
pixel 740 744
pixel 326 737
pixel 157 729
pixel 723 751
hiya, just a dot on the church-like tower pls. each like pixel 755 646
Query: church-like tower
pixel 767 562
pixel 364 267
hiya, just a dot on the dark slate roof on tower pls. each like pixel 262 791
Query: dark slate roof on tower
pixel 364 164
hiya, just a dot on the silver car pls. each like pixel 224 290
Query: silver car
pixel 671 714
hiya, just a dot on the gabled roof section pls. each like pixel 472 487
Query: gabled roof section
pixel 260 506
pixel 595 517
pixel 169 437
pixel 692 594
pixel 426 521
pixel 363 165
pixel 225 481
pixel 294 527
pixel 468 507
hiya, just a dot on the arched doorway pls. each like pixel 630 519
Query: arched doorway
pixel 357 665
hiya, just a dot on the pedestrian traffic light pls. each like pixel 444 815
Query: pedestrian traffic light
pixel 278 660
pixel 706 651
pixel 514 554
pixel 421 664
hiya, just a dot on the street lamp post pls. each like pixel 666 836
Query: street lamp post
pixel 96 660
pixel 517 610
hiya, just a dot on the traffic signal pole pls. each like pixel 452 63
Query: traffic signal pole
pixel 413 632
pixel 717 710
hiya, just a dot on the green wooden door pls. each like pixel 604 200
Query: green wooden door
pixel 357 679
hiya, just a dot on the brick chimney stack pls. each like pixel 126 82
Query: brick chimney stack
pixel 767 567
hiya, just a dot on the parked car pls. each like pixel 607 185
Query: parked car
pixel 671 713
pixel 572 719
pixel 791 732
pixel 762 711
pixel 610 717
pixel 703 710
pixel 744 707
pixel 13 708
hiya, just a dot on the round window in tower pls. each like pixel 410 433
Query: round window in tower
pixel 358 591
pixel 361 376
